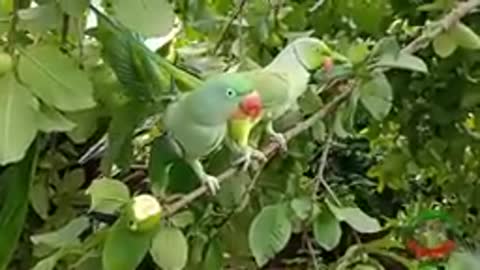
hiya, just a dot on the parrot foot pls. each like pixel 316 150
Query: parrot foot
pixel 249 155
pixel 280 139
pixel 212 183
pixel 277 137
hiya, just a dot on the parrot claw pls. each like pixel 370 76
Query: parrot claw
pixel 251 154
pixel 212 183
pixel 281 140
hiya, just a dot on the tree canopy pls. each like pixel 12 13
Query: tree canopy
pixel 381 170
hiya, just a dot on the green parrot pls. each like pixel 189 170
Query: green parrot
pixel 280 84
pixel 198 120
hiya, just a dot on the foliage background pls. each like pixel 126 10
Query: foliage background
pixel 403 139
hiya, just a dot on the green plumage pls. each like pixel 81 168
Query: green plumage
pixel 198 120
pixel 280 84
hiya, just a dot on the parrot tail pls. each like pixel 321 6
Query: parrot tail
pixel 164 153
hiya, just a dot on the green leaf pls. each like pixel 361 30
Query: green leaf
pixel 444 45
pixel 125 249
pixel 233 193
pixel 327 230
pixel 40 18
pixel 50 120
pixel 48 263
pixel 74 8
pixel 357 53
pixel 386 46
pixel 67 236
pixel 85 124
pixel 377 95
pixel 402 61
pixel 72 181
pixel 319 131
pixel 169 249
pixel 55 78
pixel 302 207
pixel 108 195
pixel 214 257
pixel 269 233
pixel 18 123
pixel 356 218
pixel 338 123
pixel 120 134
pixel 183 219
pixel 14 192
pixel 148 17
pixel 39 197
pixel 464 36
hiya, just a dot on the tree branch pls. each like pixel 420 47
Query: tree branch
pixel 462 9
pixel 270 149
pixel 229 24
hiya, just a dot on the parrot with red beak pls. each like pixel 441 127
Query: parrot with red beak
pixel 198 120
pixel 280 84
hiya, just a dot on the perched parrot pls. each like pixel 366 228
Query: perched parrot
pixel 198 120
pixel 280 84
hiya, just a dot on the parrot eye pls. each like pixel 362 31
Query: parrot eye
pixel 230 93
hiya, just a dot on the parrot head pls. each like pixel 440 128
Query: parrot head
pixel 228 95
pixel 314 53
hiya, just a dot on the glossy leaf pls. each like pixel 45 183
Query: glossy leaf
pixel 444 45
pixel 269 233
pixel 55 78
pixel 18 119
pixel 123 248
pixel 464 36
pixel 85 122
pixel 302 207
pixel 169 249
pixel 50 120
pixel 67 236
pixel 16 181
pixel 213 257
pixel 376 96
pixel 356 218
pixel 107 195
pixel 156 20
pixel 327 230
pixel 403 61
pixel 40 18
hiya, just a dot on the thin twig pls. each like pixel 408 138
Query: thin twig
pixel 311 250
pixel 462 9
pixel 321 171
pixel 270 149
pixel 244 197
pixel 229 24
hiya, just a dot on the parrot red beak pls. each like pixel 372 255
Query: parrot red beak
pixel 251 106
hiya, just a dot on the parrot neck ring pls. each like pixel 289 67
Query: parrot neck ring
pixel 251 106
pixel 300 59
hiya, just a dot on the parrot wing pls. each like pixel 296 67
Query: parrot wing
pixel 197 140
pixel 273 88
